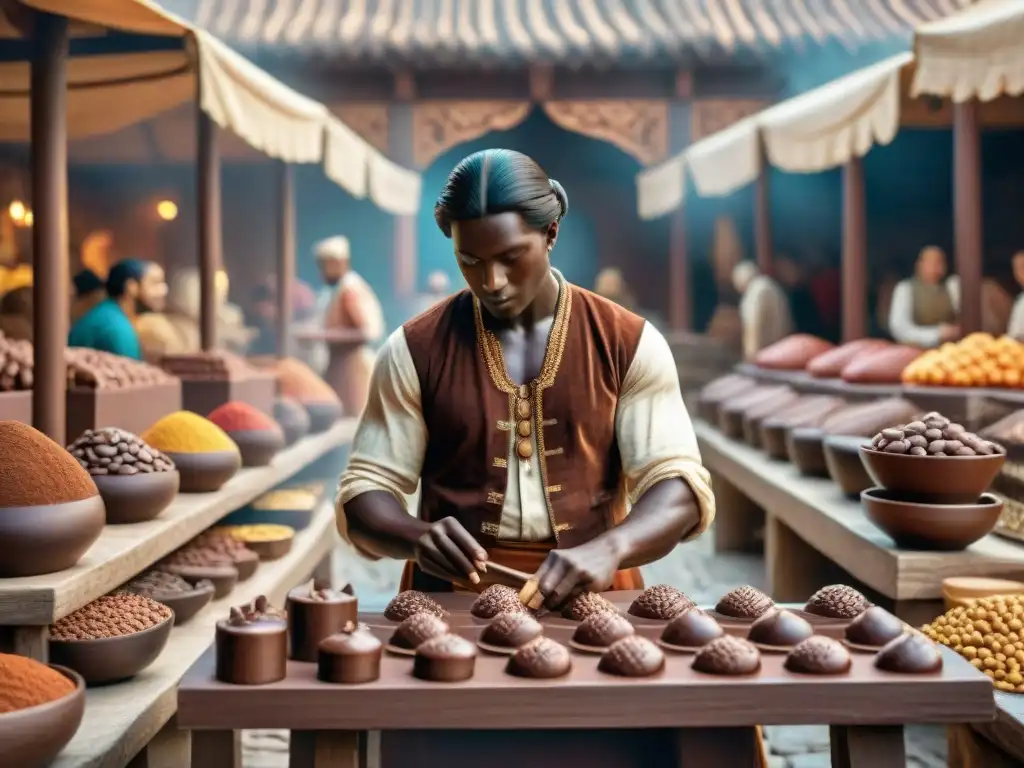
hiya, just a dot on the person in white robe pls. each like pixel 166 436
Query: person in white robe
pixel 764 309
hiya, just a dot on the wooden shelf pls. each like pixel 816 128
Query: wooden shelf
pixel 120 720
pixel 815 511
pixel 123 551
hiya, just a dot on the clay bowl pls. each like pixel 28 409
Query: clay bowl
pixel 272 549
pixel 752 431
pixel 185 604
pixel 110 659
pixel 137 498
pixel 246 562
pixel 933 479
pixel 807 451
pixel 258 447
pixel 205 472
pixel 931 527
pixel 35 736
pixel 773 439
pixel 224 577
pixel 294 420
pixel 48 538
pixel 730 422
pixel 842 457
pixel 322 416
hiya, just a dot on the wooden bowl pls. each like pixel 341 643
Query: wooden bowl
pixel 48 538
pixel 773 439
pixel 962 590
pixel 258 447
pixel 33 737
pixel 137 498
pixel 224 577
pixel 185 604
pixel 930 527
pixel 807 451
pixel 933 479
pixel 322 416
pixel 110 659
pixel 845 467
pixel 205 472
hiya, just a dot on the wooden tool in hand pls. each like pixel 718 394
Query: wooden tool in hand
pixel 529 592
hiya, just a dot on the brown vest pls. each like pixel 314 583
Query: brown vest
pixel 470 406
pixel 932 304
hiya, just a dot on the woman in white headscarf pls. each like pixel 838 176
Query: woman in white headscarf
pixel 764 309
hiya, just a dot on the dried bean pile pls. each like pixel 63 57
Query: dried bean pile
pixel 111 616
pixel 155 582
pixel 214 366
pixel 15 365
pixel 93 369
pixel 113 451
pixel 933 435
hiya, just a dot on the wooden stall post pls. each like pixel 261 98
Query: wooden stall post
pixel 855 252
pixel 50 229
pixel 680 301
pixel 967 221
pixel 286 257
pixel 763 213
pixel 400 148
pixel 208 198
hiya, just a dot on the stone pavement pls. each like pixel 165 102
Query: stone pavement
pixel 692 567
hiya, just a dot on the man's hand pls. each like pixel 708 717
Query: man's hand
pixel 590 566
pixel 447 550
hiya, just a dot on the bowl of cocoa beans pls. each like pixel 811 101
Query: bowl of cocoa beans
pixel 933 461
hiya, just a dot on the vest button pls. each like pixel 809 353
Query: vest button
pixel 524 448
pixel 523 428
pixel 523 409
pixel 524 390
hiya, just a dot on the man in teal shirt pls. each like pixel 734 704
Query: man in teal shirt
pixel 133 286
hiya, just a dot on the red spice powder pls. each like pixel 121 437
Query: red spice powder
pixel 237 416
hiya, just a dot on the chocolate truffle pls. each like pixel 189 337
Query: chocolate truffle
pixel 350 657
pixel 496 599
pixel 542 659
pixel 694 629
pixel 745 603
pixel 632 656
pixel 819 656
pixel 837 601
pixel 909 654
pixel 602 629
pixel 586 604
pixel 445 659
pixel 660 603
pixel 409 603
pixel 779 628
pixel 417 629
pixel 511 630
pixel 728 655
pixel 874 628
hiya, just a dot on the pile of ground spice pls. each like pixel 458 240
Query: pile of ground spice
pixel 25 683
pixel 111 616
pixel 157 582
pixel 187 432
pixel 299 382
pixel 38 471
pixel 237 416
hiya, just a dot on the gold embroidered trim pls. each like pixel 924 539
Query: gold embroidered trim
pixel 554 452
pixel 501 463
pixel 504 426
pixel 493 497
pixel 562 527
pixel 489 529
pixel 553 488
pixel 549 422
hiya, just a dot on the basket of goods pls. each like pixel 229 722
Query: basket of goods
pixel 792 353
pixel 809 411
pixel 41 709
pixel 830 364
pixel 293 418
pixel 300 383
pixel 204 455
pixel 979 360
pixel 931 477
pixel 112 638
pixel 184 598
pixel 136 481
pixel 50 509
pixel 252 644
pixel 721 389
pixel 258 437
pixel 732 412
pixel 1009 483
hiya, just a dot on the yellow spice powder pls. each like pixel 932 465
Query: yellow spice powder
pixel 187 432
pixel 261 532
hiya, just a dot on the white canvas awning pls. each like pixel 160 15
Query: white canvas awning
pixel 725 161
pixel 660 190
pixel 978 53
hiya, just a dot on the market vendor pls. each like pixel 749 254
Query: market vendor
pixel 764 309
pixel 133 287
pixel 923 312
pixel 528 408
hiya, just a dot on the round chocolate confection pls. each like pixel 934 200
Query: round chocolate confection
pixel 909 654
pixel 586 604
pixel 445 659
pixel 496 599
pixel 661 603
pixel 728 656
pixel 602 629
pixel 745 603
pixel 694 629
pixel 417 629
pixel 837 601
pixel 874 628
pixel 511 630
pixel 779 628
pixel 409 603
pixel 819 656
pixel 542 659
pixel 350 657
pixel 633 656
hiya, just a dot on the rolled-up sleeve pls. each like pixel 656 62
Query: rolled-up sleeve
pixel 388 447
pixel 653 429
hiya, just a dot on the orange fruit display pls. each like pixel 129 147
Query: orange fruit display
pixel 978 360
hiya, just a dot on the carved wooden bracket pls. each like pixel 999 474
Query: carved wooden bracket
pixel 368 120
pixel 440 125
pixel 639 127
pixel 710 116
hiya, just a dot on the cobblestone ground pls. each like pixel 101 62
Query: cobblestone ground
pixel 695 569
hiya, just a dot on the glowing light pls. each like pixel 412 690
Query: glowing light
pixel 29 218
pixel 167 210
pixel 17 211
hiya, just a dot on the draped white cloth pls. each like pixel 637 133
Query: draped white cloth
pixel 725 161
pixel 660 189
